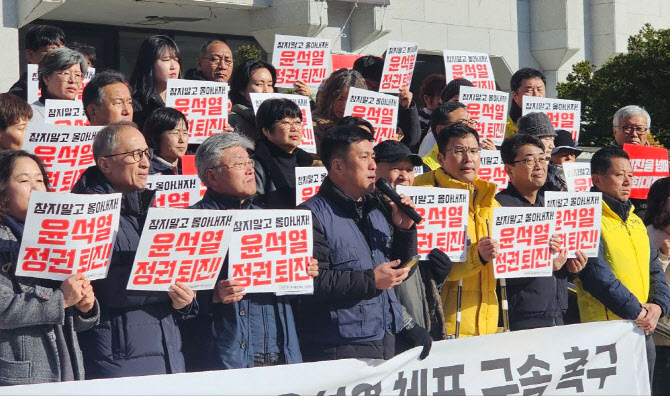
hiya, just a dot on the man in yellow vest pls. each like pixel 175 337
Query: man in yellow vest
pixel 626 280
pixel 459 159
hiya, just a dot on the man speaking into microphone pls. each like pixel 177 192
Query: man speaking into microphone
pixel 354 311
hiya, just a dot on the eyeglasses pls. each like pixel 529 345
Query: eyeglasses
pixel 177 133
pixel 136 155
pixel 67 75
pixel 631 128
pixel 236 166
pixel 459 151
pixel 289 124
pixel 217 60
pixel 470 122
pixel 531 161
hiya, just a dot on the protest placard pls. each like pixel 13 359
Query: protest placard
pixel 296 58
pixel 474 66
pixel 492 169
pixel 577 176
pixel 308 141
pixel 308 180
pixel 67 234
pixel 445 219
pixel 489 109
pixel 174 191
pixel 66 151
pixel 398 66
pixel 65 112
pixel 578 217
pixel 649 164
pixel 270 251
pixel 564 114
pixel 379 109
pixel 181 245
pixel 204 103
pixel 523 235
pixel 33 89
pixel 418 170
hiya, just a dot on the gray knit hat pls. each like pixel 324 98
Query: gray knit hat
pixel 535 124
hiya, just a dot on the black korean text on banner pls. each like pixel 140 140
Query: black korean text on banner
pixel 398 66
pixel 599 358
pixel 67 234
pixel 577 176
pixel 34 92
pixel 492 169
pixel 563 113
pixel 270 251
pixel 308 142
pixel 296 58
pixel 174 191
pixel 380 110
pixel 204 103
pixel 578 218
pixel 65 112
pixel 523 236
pixel 308 180
pixel 648 164
pixel 181 245
pixel 473 66
pixel 66 151
pixel 445 219
pixel 489 109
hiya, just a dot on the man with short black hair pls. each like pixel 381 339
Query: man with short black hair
pixel 536 301
pixel 445 115
pixel 40 39
pixel 354 312
pixel 626 280
pixel 107 99
pixel 214 62
pixel 87 50
pixel 525 82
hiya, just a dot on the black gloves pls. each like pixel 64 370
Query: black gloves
pixel 415 336
pixel 440 265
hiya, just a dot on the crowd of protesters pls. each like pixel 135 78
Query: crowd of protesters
pixel 364 305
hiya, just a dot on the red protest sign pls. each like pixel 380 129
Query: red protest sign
pixel 649 164
pixel 300 58
pixel 270 251
pixel 66 151
pixel 578 218
pixel 344 61
pixel 445 219
pixel 67 234
pixel 204 103
pixel 181 245
pixel 523 236
pixel 188 165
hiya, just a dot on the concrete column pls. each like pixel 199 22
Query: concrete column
pixel 9 41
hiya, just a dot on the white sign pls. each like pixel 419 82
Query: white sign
pixel 308 180
pixel 489 109
pixel 174 191
pixel 492 169
pixel 578 218
pixel 305 59
pixel 65 112
pixel 380 110
pixel 578 176
pixel 473 66
pixel 398 66
pixel 563 113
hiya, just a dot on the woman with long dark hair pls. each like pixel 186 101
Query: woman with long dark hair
pixel 158 60
pixel 657 219
pixel 166 133
pixel 39 319
pixel 251 76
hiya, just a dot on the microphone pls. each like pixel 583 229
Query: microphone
pixel 386 189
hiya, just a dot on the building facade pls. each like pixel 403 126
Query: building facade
pixel 550 35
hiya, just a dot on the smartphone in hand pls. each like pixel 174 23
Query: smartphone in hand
pixel 410 263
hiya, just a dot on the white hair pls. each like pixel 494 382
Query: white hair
pixel 630 111
pixel 208 154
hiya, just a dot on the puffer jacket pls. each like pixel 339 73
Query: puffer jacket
pixel 479 301
pixel 138 332
pixel 33 321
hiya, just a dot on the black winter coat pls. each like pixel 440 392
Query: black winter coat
pixel 138 333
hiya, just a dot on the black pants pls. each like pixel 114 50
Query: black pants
pixel 661 383
pixel 651 357
pixel 382 349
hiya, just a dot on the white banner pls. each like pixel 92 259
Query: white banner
pixel 578 176
pixel 175 191
pixel 270 251
pixel 65 112
pixel 474 66
pixel 489 109
pixel 398 66
pixel 308 180
pixel 380 110
pixel 563 113
pixel 600 358
pixel 492 169
pixel 308 142
pixel 68 234
pixel 297 58
pixel 445 219
pixel 181 245
pixel 578 218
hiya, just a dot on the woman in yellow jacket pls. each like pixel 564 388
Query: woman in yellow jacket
pixel 459 158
